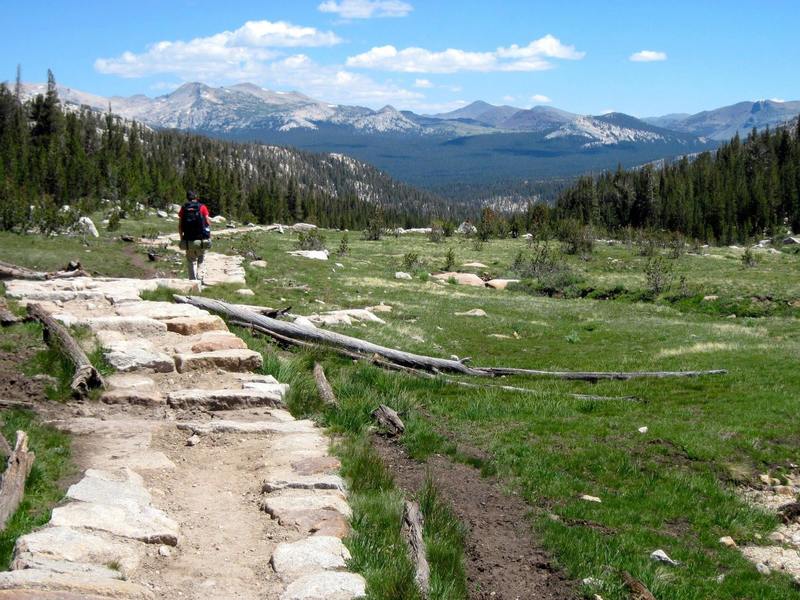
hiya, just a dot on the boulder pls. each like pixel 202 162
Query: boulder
pixel 127 381
pixel 791 241
pixel 228 360
pixel 327 585
pixel 309 555
pixel 218 219
pixel 461 278
pixel 313 254
pixel 303 227
pixel 128 520
pixel 500 284
pixel 261 264
pixel 245 292
pixel 466 228
pixel 475 265
pixel 195 325
pixel 475 312
pixel 87 227
pixel 402 275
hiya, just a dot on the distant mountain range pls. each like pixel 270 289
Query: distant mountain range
pixel 477 144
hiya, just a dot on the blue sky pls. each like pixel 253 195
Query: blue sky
pixel 426 56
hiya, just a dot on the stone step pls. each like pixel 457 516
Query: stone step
pixel 223 399
pixel 137 355
pixel 133 396
pixel 82 546
pixel 38 584
pixel 227 360
pixel 280 389
pixel 257 427
pixel 158 310
pixel 110 487
pixel 291 560
pixel 283 479
pixel 195 325
pixel 284 505
pixel 142 523
pixel 209 341
pixel 24 560
pixel 326 585
pixel 130 326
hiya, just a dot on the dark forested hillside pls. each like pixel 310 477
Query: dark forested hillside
pixel 50 157
pixel 744 189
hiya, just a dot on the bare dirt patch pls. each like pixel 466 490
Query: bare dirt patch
pixel 503 559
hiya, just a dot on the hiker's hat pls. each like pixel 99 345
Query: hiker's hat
pixel 192 195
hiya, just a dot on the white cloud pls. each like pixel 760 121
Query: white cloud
pixel 366 9
pixel 781 100
pixel 509 98
pixel 238 54
pixel 334 83
pixel 648 56
pixel 541 98
pixel 532 57
pixel 422 83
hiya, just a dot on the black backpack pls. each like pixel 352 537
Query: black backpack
pixel 193 224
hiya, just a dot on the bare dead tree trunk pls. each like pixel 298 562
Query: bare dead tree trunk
pixel 55 334
pixel 408 359
pixel 412 531
pixel 389 419
pixel 324 387
pixel 12 487
pixel 9 271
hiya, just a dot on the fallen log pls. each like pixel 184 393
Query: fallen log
pixel 412 531
pixel 324 337
pixel 86 377
pixel 389 419
pixel 12 487
pixel 596 375
pixel 9 271
pixel 408 359
pixel 324 387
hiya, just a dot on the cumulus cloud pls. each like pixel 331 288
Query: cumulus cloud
pixel 648 56
pixel 533 57
pixel 366 9
pixel 422 83
pixel 541 98
pixel 238 54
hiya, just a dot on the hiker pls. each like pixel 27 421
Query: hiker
pixel 194 226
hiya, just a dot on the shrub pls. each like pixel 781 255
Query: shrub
pixel 310 240
pixel 658 274
pixel 575 237
pixel 344 246
pixel 411 261
pixel 552 273
pixel 113 221
pixel 448 228
pixel 437 233
pixel 374 230
pixel 749 258
pixel 676 244
pixel 450 260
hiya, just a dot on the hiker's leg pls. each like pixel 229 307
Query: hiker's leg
pixel 190 259
pixel 201 255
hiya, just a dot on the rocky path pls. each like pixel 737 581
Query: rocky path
pixel 196 483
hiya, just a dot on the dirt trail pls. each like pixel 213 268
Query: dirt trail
pixel 503 560
pixel 251 509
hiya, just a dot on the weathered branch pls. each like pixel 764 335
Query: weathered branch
pixel 412 531
pixel 323 387
pixel 9 271
pixel 389 419
pixel 12 487
pixel 5 448
pixel 55 334
pixel 408 359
